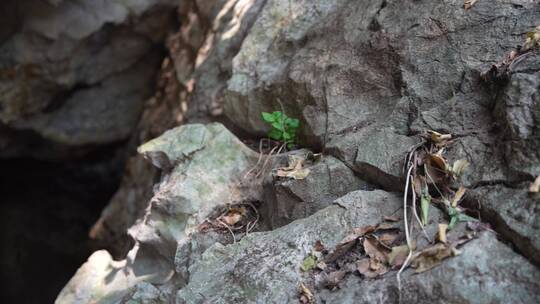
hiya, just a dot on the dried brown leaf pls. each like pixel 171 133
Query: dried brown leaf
pixel 334 278
pixel 432 256
pixel 438 161
pixel 300 174
pixel 442 232
pixel 535 186
pixel 468 4
pixel 436 169
pixel 282 173
pixel 360 231
pixel 318 246
pixel 438 138
pixel 418 182
pixel 343 247
pixel 459 166
pixel 306 296
pixel 232 219
pixel 322 265
pixel 387 226
pixel 374 250
pixel 363 266
pixel 296 174
pixel 391 218
pixel 233 216
pixel 378 267
pixel 294 169
pixel 398 255
pixel 388 239
pixel 459 195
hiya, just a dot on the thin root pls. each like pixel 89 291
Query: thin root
pixel 228 228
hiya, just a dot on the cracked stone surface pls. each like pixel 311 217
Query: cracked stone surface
pixel 514 213
pixel 205 165
pixel 484 272
pixel 365 78
pixel 264 267
pixel 201 52
pixel 288 199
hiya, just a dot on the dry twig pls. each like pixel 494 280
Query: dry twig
pixel 249 225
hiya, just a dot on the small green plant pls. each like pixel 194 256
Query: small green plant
pixel 283 127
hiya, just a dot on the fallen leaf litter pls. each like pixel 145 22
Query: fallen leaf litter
pixel 376 250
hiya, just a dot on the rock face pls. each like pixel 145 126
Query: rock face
pixel 515 214
pixel 287 200
pixel 484 265
pixel 369 69
pixel 264 267
pixel 518 107
pixel 173 261
pixel 76 73
pixel 366 79
pixel 202 167
pixel 190 89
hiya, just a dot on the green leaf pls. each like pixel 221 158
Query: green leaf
pixel 278 125
pixel 277 115
pixel 287 121
pixel 283 127
pixel 456 216
pixel 275 134
pixel 462 217
pixel 287 136
pixel 293 123
pixel 425 200
pixel 267 117
pixel 292 132
pixel 309 263
pixel 453 222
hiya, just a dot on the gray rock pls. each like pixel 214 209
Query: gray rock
pixel 288 199
pixel 472 126
pixel 514 213
pixel 199 53
pixel 264 267
pixel 380 156
pixel 208 163
pixel 519 109
pixel 98 115
pixel 78 19
pixel 126 206
pixel 107 281
pixel 61 64
pixel 365 78
pixel 348 69
pixel 486 271
pixel 229 22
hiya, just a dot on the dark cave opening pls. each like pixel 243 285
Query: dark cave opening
pixel 48 208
